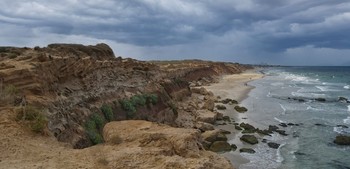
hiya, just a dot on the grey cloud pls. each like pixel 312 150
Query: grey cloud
pixel 256 30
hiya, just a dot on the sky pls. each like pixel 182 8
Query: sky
pixel 286 32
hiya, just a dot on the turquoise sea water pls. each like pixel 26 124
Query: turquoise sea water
pixel 287 94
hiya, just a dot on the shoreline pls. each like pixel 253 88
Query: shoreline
pixel 235 87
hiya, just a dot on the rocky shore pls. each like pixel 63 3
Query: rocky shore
pixel 75 106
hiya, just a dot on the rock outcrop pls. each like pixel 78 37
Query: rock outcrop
pixel 160 145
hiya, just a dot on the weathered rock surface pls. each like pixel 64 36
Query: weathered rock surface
pixel 206 116
pixel 342 140
pixel 145 143
pixel 220 146
pixel 241 109
pixel 204 126
pixel 251 139
pixel 273 145
pixel 221 107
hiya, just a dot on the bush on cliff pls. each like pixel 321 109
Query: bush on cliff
pixel 93 126
pixel 108 112
pixel 33 117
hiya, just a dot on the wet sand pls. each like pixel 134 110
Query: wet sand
pixel 234 87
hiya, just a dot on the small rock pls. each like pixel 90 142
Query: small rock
pixel 226 118
pixel 342 140
pixel 240 109
pixel 283 124
pixel 238 128
pixel 220 146
pixel 247 126
pixel 272 128
pixel 264 140
pixel 225 131
pixel 273 145
pixel 221 107
pixel 247 150
pixel 320 99
pixel 233 147
pixel 282 132
pixel 219 116
pixel 343 100
pixel 251 139
pixel 318 124
pixel 290 124
pixel 248 131
pixel 342 126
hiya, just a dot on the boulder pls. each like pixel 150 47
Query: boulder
pixel 247 150
pixel 342 140
pixel 343 100
pixel 221 107
pixel 204 126
pixel 272 128
pixel 273 145
pixel 209 105
pixel 247 126
pixel 233 147
pixel 219 116
pixel 240 109
pixel 251 139
pixel 229 101
pixel 320 99
pixel 226 118
pixel 210 136
pixel 201 90
pixel 206 116
pixel 238 128
pixel 220 146
pixel 342 126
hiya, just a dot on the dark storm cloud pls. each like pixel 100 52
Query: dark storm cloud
pixel 258 30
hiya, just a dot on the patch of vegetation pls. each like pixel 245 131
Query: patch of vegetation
pixel 107 112
pixel 138 100
pixel 131 105
pixel 34 116
pixel 127 105
pixel 11 90
pixel 12 55
pixel 153 98
pixel 3 49
pixel 93 126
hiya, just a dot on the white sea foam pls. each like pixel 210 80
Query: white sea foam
pixel 312 108
pixel 322 88
pixel 347 120
pixel 349 108
pixel 279 120
pixel 347 87
pixel 278 154
pixel 283 108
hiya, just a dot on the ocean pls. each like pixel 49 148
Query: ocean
pixel 289 95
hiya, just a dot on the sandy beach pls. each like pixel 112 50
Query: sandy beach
pixel 234 87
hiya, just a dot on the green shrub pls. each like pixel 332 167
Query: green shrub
pixel 37 120
pixel 39 123
pixel 127 106
pixel 95 137
pixel 99 120
pixel 108 112
pixel 93 126
pixel 138 100
pixel 153 98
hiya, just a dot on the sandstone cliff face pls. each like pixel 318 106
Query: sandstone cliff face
pixel 71 82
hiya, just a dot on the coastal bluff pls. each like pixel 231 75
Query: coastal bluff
pixel 71 106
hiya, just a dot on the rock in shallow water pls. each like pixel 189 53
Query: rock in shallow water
pixel 273 145
pixel 220 146
pixel 251 139
pixel 247 150
pixel 342 140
